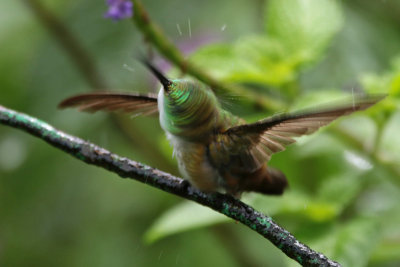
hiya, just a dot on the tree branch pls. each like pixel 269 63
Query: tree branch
pixel 153 34
pixel 126 168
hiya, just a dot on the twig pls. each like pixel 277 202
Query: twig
pixel 69 43
pixel 126 168
pixel 154 35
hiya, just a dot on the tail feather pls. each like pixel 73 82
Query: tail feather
pixel 266 180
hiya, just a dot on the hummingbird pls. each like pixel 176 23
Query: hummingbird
pixel 216 150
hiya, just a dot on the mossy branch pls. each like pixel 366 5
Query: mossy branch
pixel 126 168
pixel 156 37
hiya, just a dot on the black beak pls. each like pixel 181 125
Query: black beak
pixel 163 80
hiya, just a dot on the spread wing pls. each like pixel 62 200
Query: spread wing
pixel 125 102
pixel 247 147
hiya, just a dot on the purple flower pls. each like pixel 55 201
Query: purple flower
pixel 119 9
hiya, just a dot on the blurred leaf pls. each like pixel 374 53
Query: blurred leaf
pixel 386 83
pixel 389 149
pixel 361 128
pixel 303 27
pixel 350 243
pixel 219 59
pixel 388 251
pixel 253 59
pixel 389 248
pixel 319 98
pixel 263 61
pixel 182 217
pixel 345 185
pixel 356 241
pixel 389 82
pixel 318 145
pixel 298 32
pixel 297 204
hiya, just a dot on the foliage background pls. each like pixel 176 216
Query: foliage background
pixel 345 179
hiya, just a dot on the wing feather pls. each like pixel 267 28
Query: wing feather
pixel 249 146
pixel 107 101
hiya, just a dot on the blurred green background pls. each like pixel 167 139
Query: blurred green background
pixel 344 180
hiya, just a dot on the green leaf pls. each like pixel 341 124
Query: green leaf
pixel 182 217
pixel 218 59
pixel 390 142
pixel 304 27
pixel 298 33
pixel 386 83
pixel 297 204
pixel 263 60
pixel 350 243
pixel 360 127
pixel 345 185
pixel 387 251
pixel 252 59
pixel 319 98
pixel 389 248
